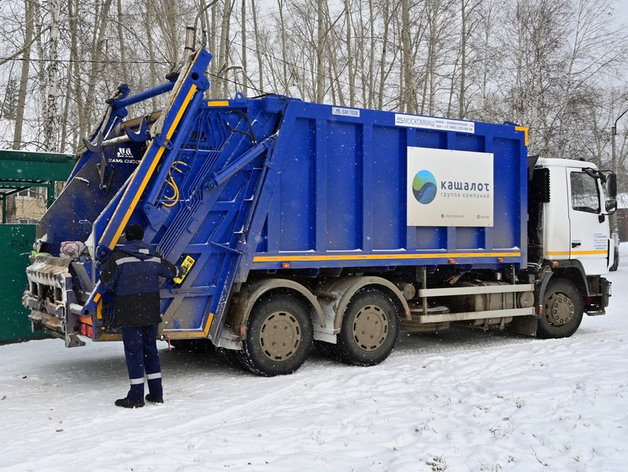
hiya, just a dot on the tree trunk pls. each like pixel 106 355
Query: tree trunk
pixel 320 49
pixel 244 68
pixel 409 95
pixel 463 59
pixel 96 68
pixel 52 76
pixel 72 76
pixel 350 54
pixel 148 25
pixel 383 59
pixel 258 49
pixel 284 54
pixel 121 44
pixel 224 47
pixel 21 97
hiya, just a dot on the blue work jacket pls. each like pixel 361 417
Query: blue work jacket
pixel 132 272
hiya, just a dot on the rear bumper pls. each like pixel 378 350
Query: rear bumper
pixel 54 326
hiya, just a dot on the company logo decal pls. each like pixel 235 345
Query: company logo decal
pixel 424 187
pixel 457 190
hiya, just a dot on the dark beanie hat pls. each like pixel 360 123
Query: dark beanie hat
pixel 134 232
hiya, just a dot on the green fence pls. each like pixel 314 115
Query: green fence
pixel 16 242
pixel 21 170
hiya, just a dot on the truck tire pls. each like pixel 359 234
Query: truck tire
pixel 562 310
pixel 370 327
pixel 278 337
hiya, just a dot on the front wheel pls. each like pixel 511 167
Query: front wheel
pixel 562 310
pixel 370 327
pixel 278 338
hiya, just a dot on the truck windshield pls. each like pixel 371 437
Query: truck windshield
pixel 584 193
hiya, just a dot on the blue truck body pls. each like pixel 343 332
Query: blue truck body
pixel 273 195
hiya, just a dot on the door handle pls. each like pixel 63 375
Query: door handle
pixel 575 244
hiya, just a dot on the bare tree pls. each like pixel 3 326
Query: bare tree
pixel 223 57
pixel 409 95
pixel 51 106
pixel 258 49
pixel 21 102
pixel 351 72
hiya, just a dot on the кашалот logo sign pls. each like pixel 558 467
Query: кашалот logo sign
pixel 424 187
pixel 457 190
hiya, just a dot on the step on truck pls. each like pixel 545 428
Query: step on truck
pixel 302 223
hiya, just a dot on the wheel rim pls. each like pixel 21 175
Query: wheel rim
pixel 559 309
pixel 280 336
pixel 370 327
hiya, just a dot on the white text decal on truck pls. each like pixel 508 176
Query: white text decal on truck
pixel 352 112
pixel 413 121
pixel 449 188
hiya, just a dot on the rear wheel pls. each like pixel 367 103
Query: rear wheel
pixel 562 310
pixel 369 329
pixel 278 338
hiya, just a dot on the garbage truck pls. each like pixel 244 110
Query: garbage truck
pixel 306 224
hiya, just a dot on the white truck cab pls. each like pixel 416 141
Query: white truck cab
pixel 576 219
pixel 570 241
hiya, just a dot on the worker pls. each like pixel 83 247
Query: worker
pixel 132 272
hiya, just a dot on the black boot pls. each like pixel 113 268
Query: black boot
pixel 153 399
pixel 127 403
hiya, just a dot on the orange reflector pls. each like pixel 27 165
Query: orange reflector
pixel 500 259
pixel 554 264
pixel 451 261
pixel 285 265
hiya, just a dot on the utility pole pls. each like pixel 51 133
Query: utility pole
pixel 613 217
pixel 613 134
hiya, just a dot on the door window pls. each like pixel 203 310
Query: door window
pixel 584 193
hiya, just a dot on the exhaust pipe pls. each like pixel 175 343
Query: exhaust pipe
pixel 190 40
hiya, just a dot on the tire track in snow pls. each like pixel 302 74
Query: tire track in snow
pixel 299 383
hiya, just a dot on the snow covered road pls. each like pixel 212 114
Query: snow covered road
pixel 458 401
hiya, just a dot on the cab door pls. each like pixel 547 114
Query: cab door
pixel 588 225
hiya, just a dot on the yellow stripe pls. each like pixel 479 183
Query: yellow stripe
pixel 136 198
pixel 108 337
pixel 197 333
pixel 174 95
pixel 186 102
pixel 209 323
pixel 112 243
pixel 578 253
pixel 525 130
pixel 589 253
pixel 153 164
pixel 366 257
pixel 185 334
pixel 218 103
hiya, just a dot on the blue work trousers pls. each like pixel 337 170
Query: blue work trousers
pixel 142 357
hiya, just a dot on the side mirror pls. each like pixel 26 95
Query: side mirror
pixel 611 205
pixel 611 185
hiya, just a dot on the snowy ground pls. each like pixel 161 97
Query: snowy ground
pixel 459 401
